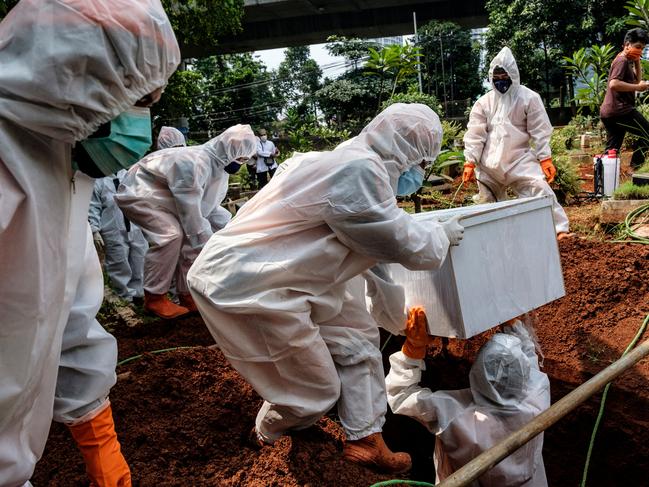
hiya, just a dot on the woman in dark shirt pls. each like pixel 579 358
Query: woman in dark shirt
pixel 618 111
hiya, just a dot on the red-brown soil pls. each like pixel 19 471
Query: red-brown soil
pixel 183 416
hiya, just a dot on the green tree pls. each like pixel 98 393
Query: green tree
pixel 590 67
pixel 181 97
pixel 541 33
pixel 353 50
pixel 237 90
pixel 197 22
pixel 350 100
pixel 639 17
pixel 393 64
pixel 451 61
pixel 638 14
pixel 298 79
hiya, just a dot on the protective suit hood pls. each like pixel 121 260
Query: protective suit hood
pixel 500 374
pixel 236 142
pixel 170 137
pixel 403 135
pixel 505 59
pixel 70 65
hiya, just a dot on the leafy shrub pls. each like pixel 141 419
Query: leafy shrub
pixel 562 139
pixel 451 130
pixel 566 183
pixel 422 98
pixel 590 67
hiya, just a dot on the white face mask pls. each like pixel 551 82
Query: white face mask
pixel 263 138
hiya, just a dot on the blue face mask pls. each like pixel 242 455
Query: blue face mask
pixel 502 85
pixel 123 144
pixel 233 167
pixel 410 181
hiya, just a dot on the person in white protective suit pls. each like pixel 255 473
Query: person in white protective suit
pixel 170 137
pixel 174 196
pixel 507 391
pixel 70 69
pixel 273 286
pixel 122 241
pixel 507 141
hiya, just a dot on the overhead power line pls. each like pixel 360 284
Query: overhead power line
pixel 270 79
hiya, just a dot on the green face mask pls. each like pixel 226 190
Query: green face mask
pixel 126 143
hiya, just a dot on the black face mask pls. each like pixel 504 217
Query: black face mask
pixel 80 156
pixel 232 168
pixel 502 85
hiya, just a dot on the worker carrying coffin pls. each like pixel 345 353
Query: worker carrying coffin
pixel 272 285
pixel 507 391
pixel 507 141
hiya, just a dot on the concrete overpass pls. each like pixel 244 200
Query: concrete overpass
pixel 270 24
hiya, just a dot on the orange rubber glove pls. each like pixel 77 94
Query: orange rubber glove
pixel 417 337
pixel 548 169
pixel 469 172
pixel 97 441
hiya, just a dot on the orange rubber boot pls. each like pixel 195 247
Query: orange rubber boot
pixel 372 451
pixel 187 301
pixel 97 440
pixel 160 305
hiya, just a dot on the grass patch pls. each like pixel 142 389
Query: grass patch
pixel 629 191
pixel 643 168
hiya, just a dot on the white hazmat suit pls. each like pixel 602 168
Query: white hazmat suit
pixel 67 67
pixel 125 245
pixel 506 137
pixel 170 137
pixel 175 196
pixel 361 377
pixel 507 391
pixel 273 285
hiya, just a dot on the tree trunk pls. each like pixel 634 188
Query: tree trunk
pixel 547 75
pixel 571 94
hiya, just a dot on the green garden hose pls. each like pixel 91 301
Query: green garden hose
pixel 633 343
pixel 627 227
pixel 399 481
pixel 135 357
pixel 387 340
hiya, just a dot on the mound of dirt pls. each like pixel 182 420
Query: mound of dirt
pixel 607 297
pixel 183 417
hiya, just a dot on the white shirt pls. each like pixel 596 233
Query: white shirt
pixel 265 150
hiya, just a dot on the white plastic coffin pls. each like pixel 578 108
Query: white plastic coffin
pixel 506 265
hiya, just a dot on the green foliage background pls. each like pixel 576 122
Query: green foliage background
pixel 452 44
pixel 541 33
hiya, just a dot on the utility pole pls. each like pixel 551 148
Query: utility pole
pixel 414 21
pixel 450 59
pixel 441 55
